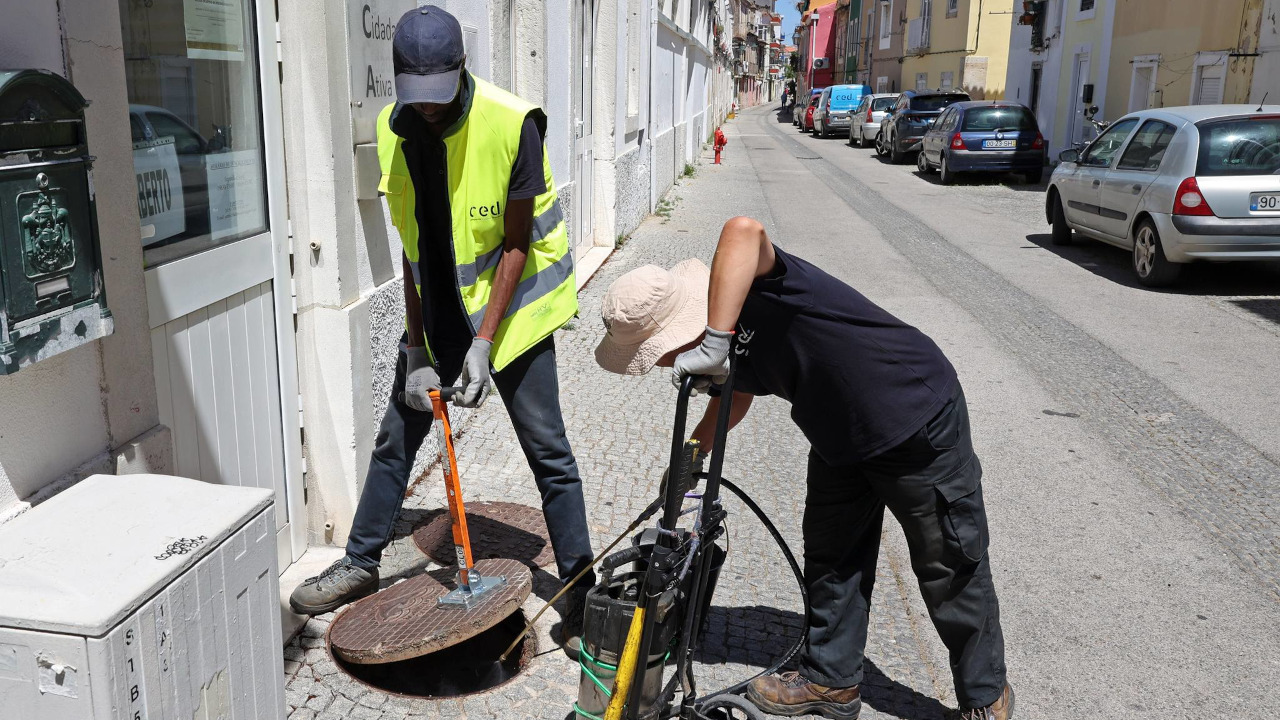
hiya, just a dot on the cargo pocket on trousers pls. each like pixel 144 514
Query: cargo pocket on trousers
pixel 963 516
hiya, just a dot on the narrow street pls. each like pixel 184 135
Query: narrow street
pixel 1127 438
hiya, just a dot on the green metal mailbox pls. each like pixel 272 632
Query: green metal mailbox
pixel 52 295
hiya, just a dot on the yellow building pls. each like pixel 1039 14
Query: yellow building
pixel 1181 52
pixel 957 44
pixel 1084 68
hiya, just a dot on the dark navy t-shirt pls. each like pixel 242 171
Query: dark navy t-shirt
pixel 859 380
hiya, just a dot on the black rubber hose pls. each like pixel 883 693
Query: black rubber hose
pixel 795 568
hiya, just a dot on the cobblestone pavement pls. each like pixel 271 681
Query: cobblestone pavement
pixel 620 430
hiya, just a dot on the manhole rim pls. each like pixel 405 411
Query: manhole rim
pixel 528 651
pixel 515 571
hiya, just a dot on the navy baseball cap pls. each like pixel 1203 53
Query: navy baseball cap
pixel 427 56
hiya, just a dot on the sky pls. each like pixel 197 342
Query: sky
pixel 790 18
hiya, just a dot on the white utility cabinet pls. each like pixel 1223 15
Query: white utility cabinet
pixel 141 597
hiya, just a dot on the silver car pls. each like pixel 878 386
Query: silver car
pixel 1175 185
pixel 867 117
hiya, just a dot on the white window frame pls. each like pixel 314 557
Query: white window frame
pixel 922 81
pixel 1144 61
pixel 886 24
pixel 947 80
pixel 1206 59
pixel 882 84
pixel 1082 14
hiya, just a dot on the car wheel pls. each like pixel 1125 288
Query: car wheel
pixel 880 145
pixel 922 164
pixel 862 139
pixel 895 155
pixel 1061 230
pixel 944 171
pixel 1033 177
pixel 1149 262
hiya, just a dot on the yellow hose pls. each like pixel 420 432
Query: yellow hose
pixel 626 667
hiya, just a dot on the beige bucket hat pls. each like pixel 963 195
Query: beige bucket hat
pixel 649 312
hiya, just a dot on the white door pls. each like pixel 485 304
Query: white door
pixel 1079 78
pixel 583 155
pixel 205 112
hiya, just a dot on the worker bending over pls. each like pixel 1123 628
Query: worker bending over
pixel 488 278
pixel 886 419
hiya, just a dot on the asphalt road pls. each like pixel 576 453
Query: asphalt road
pixel 1129 436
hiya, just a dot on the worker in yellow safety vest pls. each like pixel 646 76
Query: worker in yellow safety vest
pixel 488 277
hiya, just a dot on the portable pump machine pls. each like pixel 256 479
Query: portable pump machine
pixel 648 610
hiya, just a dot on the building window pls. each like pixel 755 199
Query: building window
pixel 1210 75
pixel 1086 10
pixel 882 84
pixel 1037 72
pixel 192 85
pixel 1143 90
pixel 948 80
pixel 886 24
pixel 953 8
pixel 922 81
pixel 926 17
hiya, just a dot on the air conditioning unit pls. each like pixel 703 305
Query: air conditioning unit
pixel 821 63
pixel 141 597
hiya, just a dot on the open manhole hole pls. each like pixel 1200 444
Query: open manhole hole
pixel 471 666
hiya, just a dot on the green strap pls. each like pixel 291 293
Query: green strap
pixel 585 714
pixel 582 652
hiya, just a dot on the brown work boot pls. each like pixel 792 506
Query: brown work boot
pixel 790 694
pixel 1001 709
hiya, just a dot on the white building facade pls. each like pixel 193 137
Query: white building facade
pixel 256 322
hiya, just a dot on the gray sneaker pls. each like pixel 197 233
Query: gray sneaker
pixel 338 585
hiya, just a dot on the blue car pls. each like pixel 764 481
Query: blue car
pixel 993 136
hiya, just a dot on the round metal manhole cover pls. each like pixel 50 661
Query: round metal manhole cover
pixel 405 621
pixel 497 530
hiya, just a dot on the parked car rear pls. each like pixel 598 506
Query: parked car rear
pixel 807 120
pixel 983 136
pixel 1175 185
pixel 905 125
pixel 867 117
pixel 835 108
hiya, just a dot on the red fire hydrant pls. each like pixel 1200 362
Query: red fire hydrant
pixel 719 144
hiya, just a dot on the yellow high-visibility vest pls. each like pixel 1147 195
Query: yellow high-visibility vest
pixel 480 152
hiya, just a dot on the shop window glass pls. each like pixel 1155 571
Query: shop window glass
pixel 192 75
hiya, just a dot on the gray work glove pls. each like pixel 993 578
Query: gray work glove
pixel 420 378
pixel 474 379
pixel 710 359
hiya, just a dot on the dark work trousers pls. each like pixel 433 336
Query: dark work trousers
pixel 932 485
pixel 531 391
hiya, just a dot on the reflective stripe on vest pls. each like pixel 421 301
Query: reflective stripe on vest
pixel 543 225
pixel 534 287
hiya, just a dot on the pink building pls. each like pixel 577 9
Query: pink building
pixel 817 50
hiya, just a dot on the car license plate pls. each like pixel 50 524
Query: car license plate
pixel 1264 202
pixel 999 144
